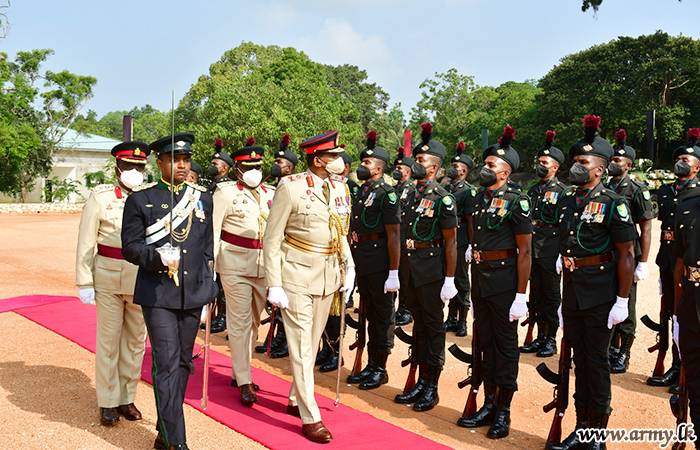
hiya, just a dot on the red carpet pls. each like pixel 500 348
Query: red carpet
pixel 266 422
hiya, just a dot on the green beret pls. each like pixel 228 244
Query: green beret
pixel 372 151
pixel 550 151
pixel 591 144
pixel 460 157
pixel 427 145
pixel 503 149
pixel 691 147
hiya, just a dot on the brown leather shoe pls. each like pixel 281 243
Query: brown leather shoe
pixel 129 412
pixel 234 383
pixel 109 416
pixel 293 410
pixel 247 392
pixel 317 432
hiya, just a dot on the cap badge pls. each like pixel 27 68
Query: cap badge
pixel 180 143
pixel 280 153
pixel 501 152
pixel 690 150
pixel 425 147
pixel 216 155
pixel 369 152
pixel 588 147
pixel 253 155
pixel 622 152
pixel 399 161
pixel 137 152
pixel 457 158
pixel 546 152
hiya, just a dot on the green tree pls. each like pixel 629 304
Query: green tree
pixel 351 84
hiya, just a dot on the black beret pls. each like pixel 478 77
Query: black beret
pixel 550 151
pixel 223 156
pixel 372 151
pixel 132 151
pixel 182 144
pixel 591 144
pixel 621 148
pixel 691 147
pixel 283 151
pixel 428 145
pixel 196 168
pixel 460 157
pixel 347 159
pixel 503 149
pixel 402 159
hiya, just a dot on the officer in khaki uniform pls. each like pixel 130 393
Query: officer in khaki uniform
pixel 305 248
pixel 240 214
pixel 103 277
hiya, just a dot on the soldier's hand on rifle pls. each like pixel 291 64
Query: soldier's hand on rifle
pixel 349 284
pixel 675 334
pixel 561 317
pixel 641 272
pixel 518 308
pixel 278 297
pixel 448 289
pixel 87 295
pixel 468 253
pixel 392 283
pixel 619 312
pixel 558 264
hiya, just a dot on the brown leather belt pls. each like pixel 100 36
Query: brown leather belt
pixel 572 263
pixel 692 274
pixel 109 252
pixel 241 241
pixel 667 236
pixel 494 255
pixel 412 244
pixel 540 224
pixel 363 237
pixel 463 219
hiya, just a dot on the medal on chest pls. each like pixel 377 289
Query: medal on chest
pixel 594 212
pixel 551 197
pixel 426 207
pixel 370 199
pixel 342 205
pixel 498 206
pixel 199 210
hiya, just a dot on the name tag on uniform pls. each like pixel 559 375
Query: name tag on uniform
pixel 551 197
pixel 594 212
pixel 499 206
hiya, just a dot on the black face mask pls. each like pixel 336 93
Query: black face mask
pixel 397 175
pixel 614 170
pixel 418 171
pixel 275 171
pixel 452 173
pixel 212 171
pixel 681 169
pixel 363 173
pixel 487 177
pixel 579 175
pixel 541 171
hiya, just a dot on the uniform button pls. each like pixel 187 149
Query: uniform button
pixel 568 251
pixel 410 223
pixel 575 214
pixel 571 233
pixel 503 263
pixel 408 254
pixel 375 245
pixel 697 284
pixel 601 267
pixel 184 250
pixel 671 213
pixel 479 227
pixel 356 217
pixel 185 272
pixel 431 254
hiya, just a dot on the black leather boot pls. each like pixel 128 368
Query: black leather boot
pixel 325 353
pixel 599 421
pixel 500 427
pixel 535 345
pixel 430 396
pixel 451 322
pixel 622 362
pixel 549 345
pixel 484 416
pixel 417 390
pixel 672 374
pixel 364 373
pixel 572 442
pixel 218 323
pixel 461 329
pixel 332 363
pixel 614 350
pixel 378 376
pixel 403 315
pixel 278 346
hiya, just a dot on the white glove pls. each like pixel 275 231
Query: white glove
pixel 87 295
pixel 675 333
pixel 448 289
pixel 349 285
pixel 661 288
pixel 518 308
pixel 558 264
pixel 561 317
pixel 278 297
pixel 471 308
pixel 468 253
pixel 641 272
pixel 392 283
pixel 619 312
pixel 203 316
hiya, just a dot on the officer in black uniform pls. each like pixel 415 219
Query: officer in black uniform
pixel 431 241
pixel 502 254
pixel 352 185
pixel 545 284
pixel 686 319
pixel 639 200
pixel 195 172
pixel 405 188
pixel 376 250
pixel 172 304
pixel 462 192
pixel 597 254
pixel 670 195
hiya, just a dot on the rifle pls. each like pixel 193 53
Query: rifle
pixel 360 337
pixel 561 390
pixel 679 406
pixel 474 373
pixel 408 339
pixel 341 336
pixel 530 328
pixel 662 343
pixel 205 380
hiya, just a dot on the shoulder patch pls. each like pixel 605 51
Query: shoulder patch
pixel 524 204
pixel 99 189
pixel 144 186
pixel 622 210
pixel 646 195
pixel 447 200
pixel 393 197
pixel 472 192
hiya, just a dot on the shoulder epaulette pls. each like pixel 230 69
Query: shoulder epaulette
pixel 269 187
pixel 196 186
pixel 226 184
pixel 101 188
pixel 144 186
pixel 338 178
pixel 294 177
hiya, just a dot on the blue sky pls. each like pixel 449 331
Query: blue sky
pixel 140 51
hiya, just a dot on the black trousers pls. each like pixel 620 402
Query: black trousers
pixel 498 339
pixel 379 310
pixel 629 325
pixel 426 307
pixel 588 333
pixel 172 333
pixel 461 280
pixel 545 291
pixel 690 353
pixel 403 277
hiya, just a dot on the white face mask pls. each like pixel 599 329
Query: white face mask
pixel 131 178
pixel 336 167
pixel 252 178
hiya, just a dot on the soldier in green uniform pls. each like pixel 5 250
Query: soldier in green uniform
pixel 597 254
pixel 545 284
pixel 462 192
pixel 639 200
pixel 431 241
pixel 686 167
pixel 405 188
pixel 376 251
pixel 501 250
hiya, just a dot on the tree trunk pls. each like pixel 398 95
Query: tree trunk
pixel 25 195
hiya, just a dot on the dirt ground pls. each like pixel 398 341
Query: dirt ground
pixel 47 394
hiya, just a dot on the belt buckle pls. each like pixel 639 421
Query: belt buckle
pixel 477 256
pixel 694 274
pixel 569 263
pixel 410 244
pixel 667 235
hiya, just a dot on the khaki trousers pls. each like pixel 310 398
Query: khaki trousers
pixel 304 321
pixel 119 347
pixel 245 300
